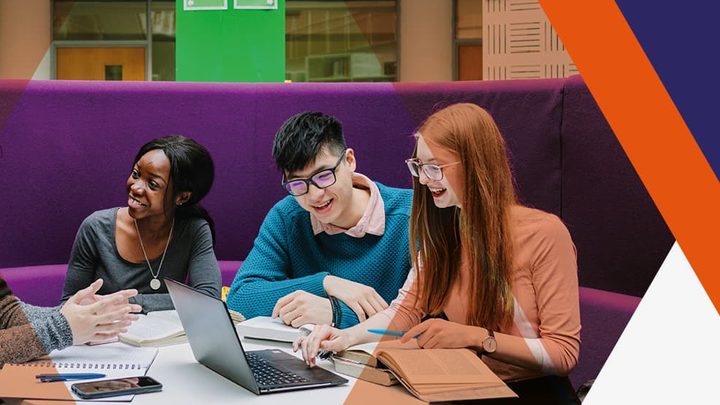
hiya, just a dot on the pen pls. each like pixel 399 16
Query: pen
pixel 68 376
pixel 388 332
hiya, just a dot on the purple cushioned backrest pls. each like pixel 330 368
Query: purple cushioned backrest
pixel 68 146
pixel 23 281
pixel 621 237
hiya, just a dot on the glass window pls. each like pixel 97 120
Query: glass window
pixel 99 20
pixel 162 20
pixel 341 40
pixel 468 24
pixel 468 39
pixel 109 40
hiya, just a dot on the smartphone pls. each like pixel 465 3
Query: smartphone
pixel 116 387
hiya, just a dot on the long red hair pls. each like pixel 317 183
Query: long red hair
pixel 479 230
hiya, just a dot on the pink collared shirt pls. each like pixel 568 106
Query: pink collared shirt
pixel 372 221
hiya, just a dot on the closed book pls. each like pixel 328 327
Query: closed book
pixel 362 354
pixel 380 375
pixel 268 328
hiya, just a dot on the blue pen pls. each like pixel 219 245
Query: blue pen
pixel 388 332
pixel 68 376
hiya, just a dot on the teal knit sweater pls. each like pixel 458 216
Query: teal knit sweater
pixel 287 256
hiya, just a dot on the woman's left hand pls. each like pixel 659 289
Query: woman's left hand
pixel 442 334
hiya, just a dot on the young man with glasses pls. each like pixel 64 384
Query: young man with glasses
pixel 336 250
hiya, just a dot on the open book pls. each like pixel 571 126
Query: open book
pixel 115 360
pixel 160 328
pixel 429 374
pixel 268 328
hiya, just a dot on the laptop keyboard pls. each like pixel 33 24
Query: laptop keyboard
pixel 266 374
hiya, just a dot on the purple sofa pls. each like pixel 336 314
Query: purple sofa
pixel 67 149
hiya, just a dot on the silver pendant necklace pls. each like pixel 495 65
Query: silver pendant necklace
pixel 154 283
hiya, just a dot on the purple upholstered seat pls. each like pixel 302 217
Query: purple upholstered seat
pixel 604 316
pixel 37 285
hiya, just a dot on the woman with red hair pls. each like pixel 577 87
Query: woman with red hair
pixel 489 273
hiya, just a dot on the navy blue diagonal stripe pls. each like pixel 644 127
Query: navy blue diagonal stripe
pixel 681 40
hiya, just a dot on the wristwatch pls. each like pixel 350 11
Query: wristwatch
pixel 489 344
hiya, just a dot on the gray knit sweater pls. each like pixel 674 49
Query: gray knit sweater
pixel 190 257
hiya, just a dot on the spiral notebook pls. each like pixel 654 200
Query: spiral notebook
pixel 115 360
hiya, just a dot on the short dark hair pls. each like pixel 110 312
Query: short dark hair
pixel 301 138
pixel 191 169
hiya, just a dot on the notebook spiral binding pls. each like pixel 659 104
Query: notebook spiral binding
pixel 82 366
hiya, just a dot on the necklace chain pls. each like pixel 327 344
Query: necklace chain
pixel 142 246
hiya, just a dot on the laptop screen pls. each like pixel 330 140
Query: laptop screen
pixel 211 333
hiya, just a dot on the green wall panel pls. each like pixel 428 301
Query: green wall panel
pixel 230 45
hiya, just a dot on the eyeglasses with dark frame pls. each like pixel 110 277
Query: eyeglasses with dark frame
pixel 432 171
pixel 321 179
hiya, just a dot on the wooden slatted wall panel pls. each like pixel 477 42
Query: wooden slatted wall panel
pixel 520 43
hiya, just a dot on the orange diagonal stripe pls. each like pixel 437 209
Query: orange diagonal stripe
pixel 648 126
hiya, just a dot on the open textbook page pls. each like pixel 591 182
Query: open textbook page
pixel 158 328
pixel 161 328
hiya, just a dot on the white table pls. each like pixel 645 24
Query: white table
pixel 185 381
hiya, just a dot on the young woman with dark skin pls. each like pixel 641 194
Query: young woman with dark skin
pixel 163 231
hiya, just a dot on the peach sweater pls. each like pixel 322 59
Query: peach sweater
pixel 545 288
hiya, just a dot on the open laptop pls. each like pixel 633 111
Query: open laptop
pixel 216 345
